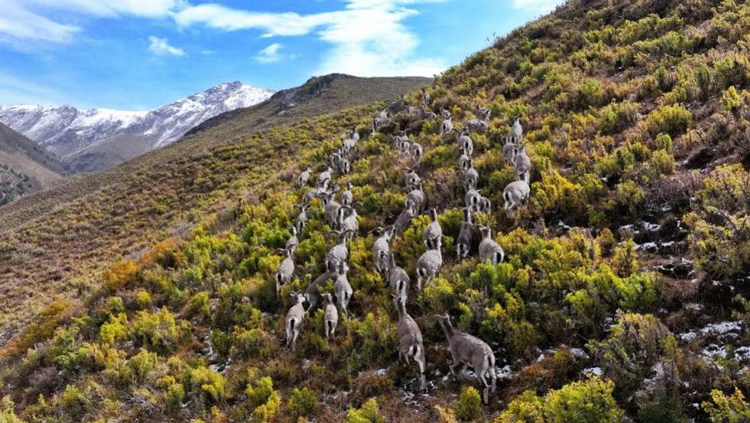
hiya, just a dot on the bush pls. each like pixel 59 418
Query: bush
pixel 143 299
pixel 159 330
pixel 302 403
pixel 719 224
pixel 76 402
pixel 727 408
pixel 588 401
pixel 174 397
pixel 142 363
pixel 121 274
pixel 7 411
pixel 616 117
pixel 369 413
pixel 469 405
pixel 730 99
pixel 207 384
pixel 634 345
pixel 671 119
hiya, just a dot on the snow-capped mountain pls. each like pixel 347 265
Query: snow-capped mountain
pixel 75 135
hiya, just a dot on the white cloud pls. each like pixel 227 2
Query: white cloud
pixel 368 37
pixel 17 23
pixel 539 6
pixel 161 46
pixel 271 54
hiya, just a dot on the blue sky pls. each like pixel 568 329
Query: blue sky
pixel 139 54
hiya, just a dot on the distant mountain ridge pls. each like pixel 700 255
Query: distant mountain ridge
pixel 97 139
pixel 25 167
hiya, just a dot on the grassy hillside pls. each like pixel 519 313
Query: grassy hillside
pixel 57 243
pixel 623 293
pixel 24 166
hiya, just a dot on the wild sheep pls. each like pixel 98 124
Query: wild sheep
pixel 463 161
pixel 446 127
pixel 433 232
pixel 472 198
pixel 405 217
pixel 342 288
pixel 331 316
pixel 482 121
pixel 285 272
pixel 522 164
pixel 470 351
pixel 417 198
pixel 348 222
pixel 331 207
pixel 488 248
pixel 484 205
pixel 509 144
pixel 347 197
pixel 295 317
pixel 465 144
pixel 416 152
pixel 428 114
pixel 304 177
pixel 465 236
pixel 301 219
pixel 515 194
pixel 339 252
pixel 293 242
pixel 428 266
pixel 412 180
pixel 471 176
pixel 381 121
pixel 397 277
pixel 425 97
pixel 312 293
pixel 409 339
pixel 382 247
pixel 325 177
pixel 517 130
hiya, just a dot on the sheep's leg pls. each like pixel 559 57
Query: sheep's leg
pixel 294 340
pixel 289 333
pixel 419 358
pixel 454 366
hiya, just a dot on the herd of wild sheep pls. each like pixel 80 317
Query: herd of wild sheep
pixel 341 217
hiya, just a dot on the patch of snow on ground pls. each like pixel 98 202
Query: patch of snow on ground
pixel 596 371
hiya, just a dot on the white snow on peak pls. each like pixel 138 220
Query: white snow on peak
pixel 66 130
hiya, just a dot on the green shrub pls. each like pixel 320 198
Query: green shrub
pixel 588 401
pixel 730 99
pixel 76 402
pixel 727 408
pixel 634 345
pixel 174 397
pixel 719 230
pixel 369 413
pixel 142 363
pixel 7 411
pixel 468 407
pixel 207 384
pixel 143 299
pixel 159 330
pixel 302 402
pixel 663 142
pixel 670 119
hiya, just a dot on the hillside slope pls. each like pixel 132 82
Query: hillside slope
pixel 80 226
pixel 623 294
pixel 25 167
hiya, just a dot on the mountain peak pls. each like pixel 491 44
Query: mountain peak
pixel 70 132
